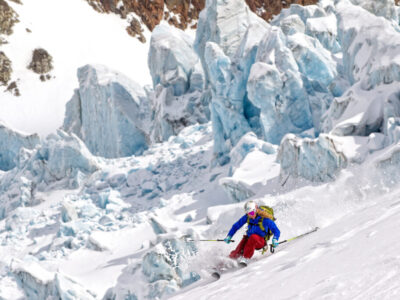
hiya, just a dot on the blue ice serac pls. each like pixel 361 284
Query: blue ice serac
pixel 109 112
pixel 10 144
pixel 177 99
pixel 299 74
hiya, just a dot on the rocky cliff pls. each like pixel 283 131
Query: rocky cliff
pixel 8 17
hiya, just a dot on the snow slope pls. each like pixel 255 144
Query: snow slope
pixel 74 35
pixel 354 258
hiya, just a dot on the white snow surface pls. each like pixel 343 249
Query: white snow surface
pixel 74 35
pixel 356 257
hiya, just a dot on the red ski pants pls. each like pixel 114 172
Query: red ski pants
pixel 247 246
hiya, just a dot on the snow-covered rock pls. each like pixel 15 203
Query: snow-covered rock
pixel 10 144
pixel 109 112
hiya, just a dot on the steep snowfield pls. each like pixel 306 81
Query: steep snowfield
pixel 356 257
pixel 74 35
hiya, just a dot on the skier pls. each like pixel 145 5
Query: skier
pixel 255 236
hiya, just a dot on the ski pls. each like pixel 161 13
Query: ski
pixel 217 273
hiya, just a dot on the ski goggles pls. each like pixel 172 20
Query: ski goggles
pixel 252 213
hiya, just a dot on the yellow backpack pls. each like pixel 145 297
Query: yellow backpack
pixel 265 212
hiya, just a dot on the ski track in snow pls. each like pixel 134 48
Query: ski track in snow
pixel 354 258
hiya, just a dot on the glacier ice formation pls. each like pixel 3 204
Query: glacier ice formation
pixel 109 112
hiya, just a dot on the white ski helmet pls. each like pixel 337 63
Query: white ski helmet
pixel 250 206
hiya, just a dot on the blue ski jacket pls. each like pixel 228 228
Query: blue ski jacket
pixel 254 228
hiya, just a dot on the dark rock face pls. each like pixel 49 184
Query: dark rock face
pixel 135 30
pixel 13 89
pixel 5 69
pixel 180 13
pixel 42 62
pixel 187 11
pixel 150 11
pixel 8 17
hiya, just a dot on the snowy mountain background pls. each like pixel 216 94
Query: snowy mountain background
pixel 129 149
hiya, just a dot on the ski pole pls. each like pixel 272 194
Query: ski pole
pixel 293 238
pixel 218 240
